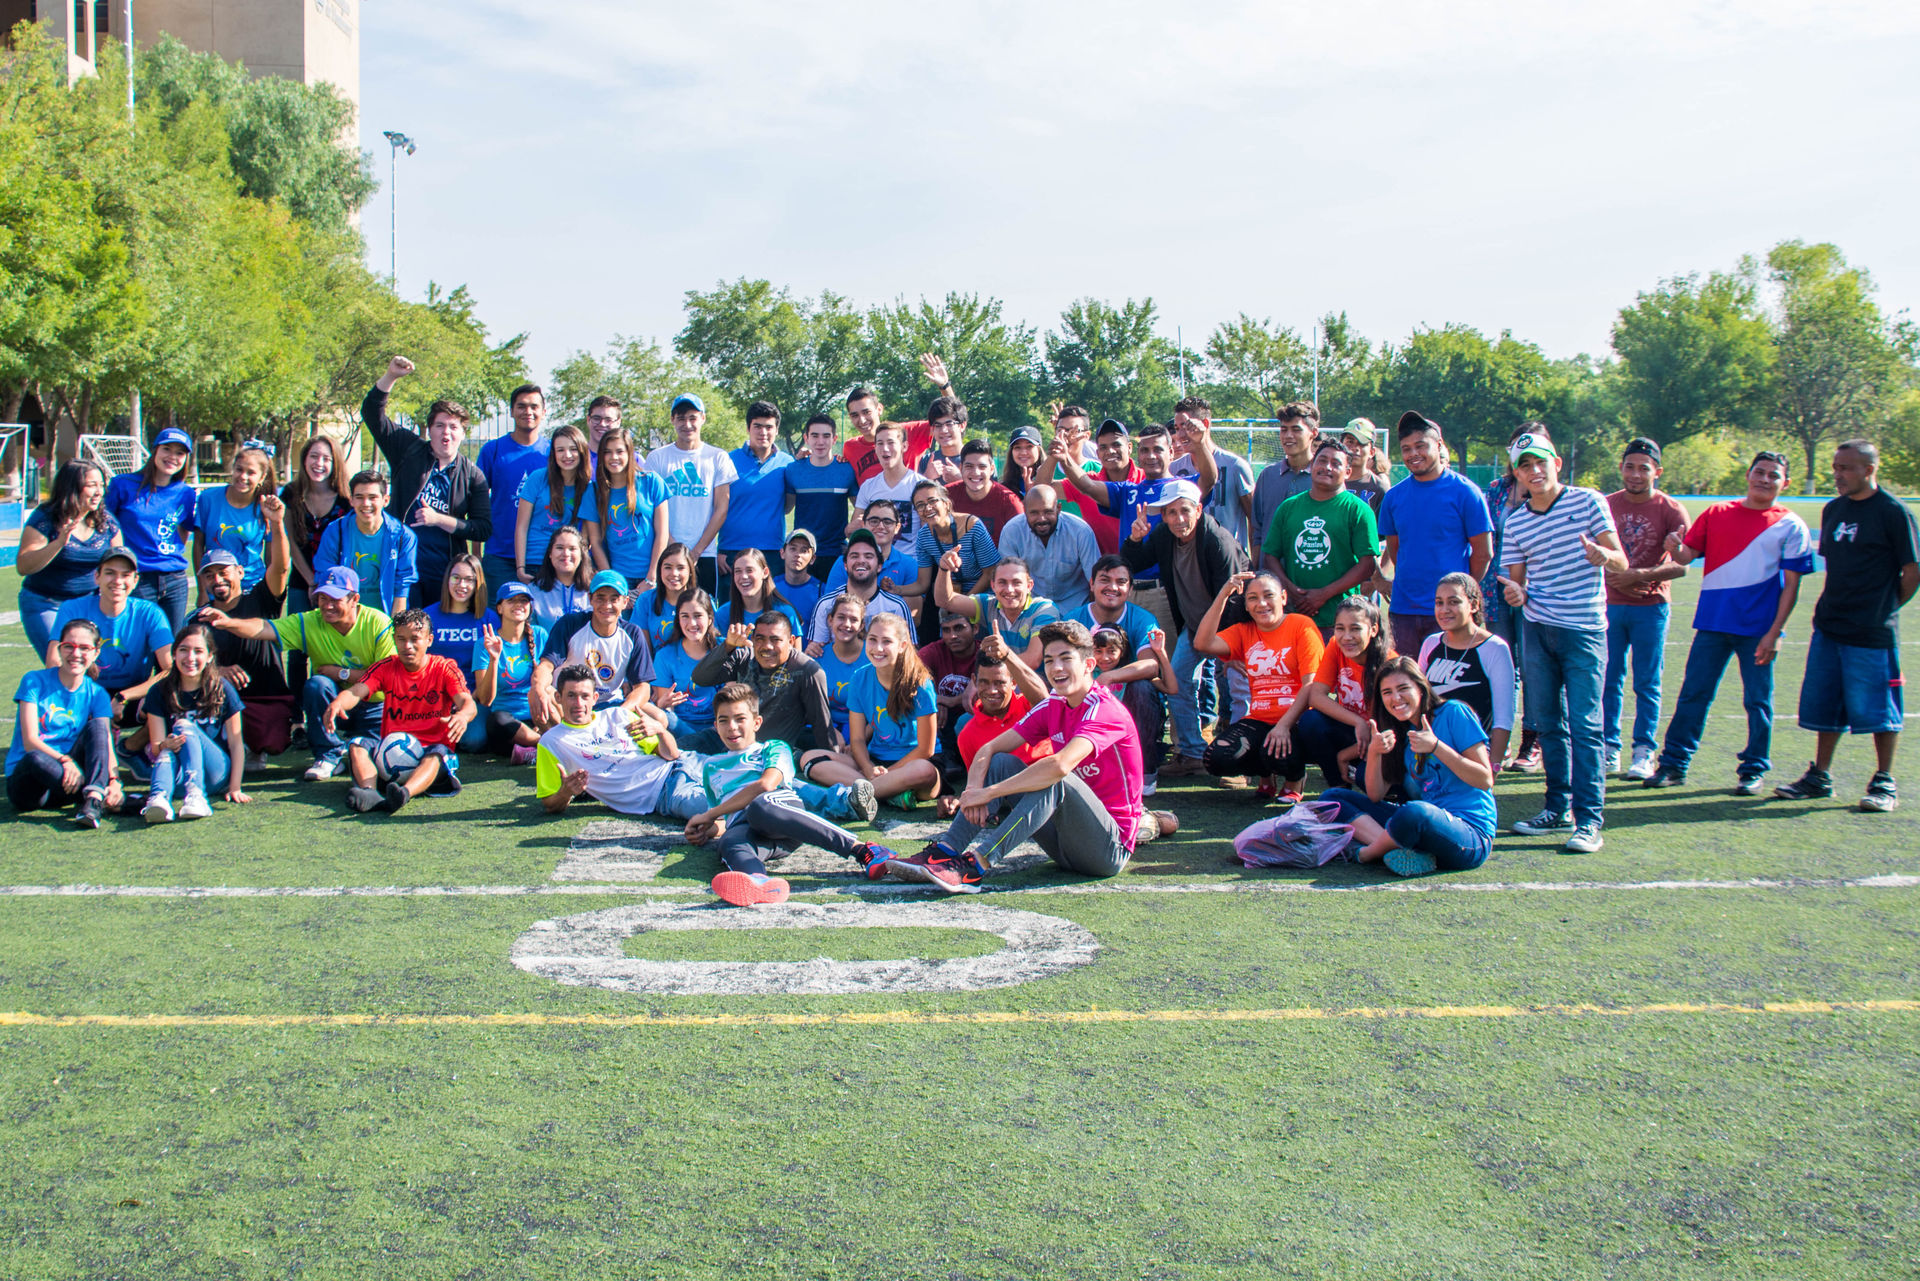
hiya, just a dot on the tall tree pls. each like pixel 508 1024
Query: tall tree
pixel 1695 356
pixel 1255 367
pixel 1477 390
pixel 644 378
pixel 1110 360
pixel 756 342
pixel 990 362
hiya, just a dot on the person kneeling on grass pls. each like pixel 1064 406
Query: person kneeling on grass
pixel 192 703
pixel 1438 751
pixel 753 812
pixel 426 698
pixel 1081 805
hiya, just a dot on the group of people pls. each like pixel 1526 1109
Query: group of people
pixel 763 646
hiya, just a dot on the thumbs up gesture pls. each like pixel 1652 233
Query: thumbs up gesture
pixel 1513 593
pixel 1422 740
pixel 1596 554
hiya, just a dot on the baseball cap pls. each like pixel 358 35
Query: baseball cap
pixel 687 400
pixel 608 578
pixel 1411 422
pixel 1359 429
pixel 173 436
pixel 1172 492
pixel 1531 444
pixel 1641 445
pixel 221 556
pixel 861 538
pixel 1025 433
pixel 1109 426
pixel 120 553
pixel 509 590
pixel 338 582
pixel 804 536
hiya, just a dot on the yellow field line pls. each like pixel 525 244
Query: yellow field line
pixel 918 1017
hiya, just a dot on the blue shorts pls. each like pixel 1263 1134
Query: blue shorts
pixel 448 780
pixel 1849 688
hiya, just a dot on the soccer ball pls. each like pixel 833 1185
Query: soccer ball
pixel 397 755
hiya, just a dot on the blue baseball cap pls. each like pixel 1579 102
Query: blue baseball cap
pixel 339 583
pixel 612 578
pixel 509 590
pixel 687 400
pixel 173 436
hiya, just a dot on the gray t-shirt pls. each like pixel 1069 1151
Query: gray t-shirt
pixel 1224 502
pixel 1563 589
pixel 1276 485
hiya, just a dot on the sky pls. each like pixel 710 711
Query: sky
pixel 1509 165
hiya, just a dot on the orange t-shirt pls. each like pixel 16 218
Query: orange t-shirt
pixel 1344 679
pixel 1279 663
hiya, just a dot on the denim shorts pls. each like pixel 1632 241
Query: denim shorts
pixel 1851 688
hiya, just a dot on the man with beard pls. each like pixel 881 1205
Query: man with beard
pixel 862 562
pixel 1058 547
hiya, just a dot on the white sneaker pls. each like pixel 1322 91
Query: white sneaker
pixel 1644 761
pixel 194 804
pixel 157 810
pixel 321 770
pixel 256 761
pixel 1611 763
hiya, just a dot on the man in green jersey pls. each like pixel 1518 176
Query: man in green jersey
pixel 1322 543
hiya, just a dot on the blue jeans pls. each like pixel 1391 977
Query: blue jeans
pixel 1185 705
pixel 1564 670
pixel 1643 630
pixel 328 745
pixel 1706 664
pixel 170 590
pixel 200 763
pixel 1456 845
pixel 37 613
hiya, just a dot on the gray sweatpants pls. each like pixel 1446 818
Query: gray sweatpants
pixel 1066 820
pixel 774 825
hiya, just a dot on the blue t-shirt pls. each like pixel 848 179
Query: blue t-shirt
pixel 627 535
pixel 891 739
pixel 1433 520
pixel 69 574
pixel 154 523
pixel 126 643
pixel 457 636
pixel 724 616
pixel 1455 725
pixel 840 682
pixel 804 597
pixel 515 678
pixel 506 463
pixel 655 624
pixel 240 530
pixel 901 565
pixel 1134 624
pixel 821 498
pixel 756 501
pixel 1125 498
pixel 543 524
pixel 64 713
pixel 363 554
pixel 673 669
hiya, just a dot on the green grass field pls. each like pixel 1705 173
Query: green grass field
pixel 1690 1055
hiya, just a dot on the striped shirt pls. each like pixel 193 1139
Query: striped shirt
pixel 1563 590
pixel 882 603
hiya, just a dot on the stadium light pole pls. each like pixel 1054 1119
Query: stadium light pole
pixel 396 140
pixel 133 414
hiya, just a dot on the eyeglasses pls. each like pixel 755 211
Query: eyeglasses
pixel 463 580
pixel 265 447
pixel 77 647
pixel 604 420
pixel 880 523
pixel 922 504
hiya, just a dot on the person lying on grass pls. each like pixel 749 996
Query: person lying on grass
pixel 626 760
pixel 426 698
pixel 1438 751
pixel 753 813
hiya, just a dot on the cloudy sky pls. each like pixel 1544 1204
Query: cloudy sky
pixel 1503 163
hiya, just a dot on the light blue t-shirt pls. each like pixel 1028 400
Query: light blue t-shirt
pixel 1455 725
pixel 1433 519
pixel 673 669
pixel 1019 633
pixel 240 530
pixel 515 677
pixel 840 682
pixel 724 616
pixel 628 535
pixel 361 553
pixel 805 597
pixel 657 625
pixel 542 525
pixel 1134 624
pixel 726 773
pixel 506 463
pixel 891 739
pixel 127 643
pixel 64 713
pixel 756 501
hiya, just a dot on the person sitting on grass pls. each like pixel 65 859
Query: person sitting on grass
pixel 612 648
pixel 376 547
pixel 626 760
pixel 503 663
pixel 840 660
pixel 891 714
pixel 1334 725
pixel 1438 751
pixel 1281 652
pixel 997 707
pixel 62 752
pixel 251 664
pixel 753 814
pixel 135 645
pixel 687 705
pixel 424 697
pixel 192 703
pixel 1082 804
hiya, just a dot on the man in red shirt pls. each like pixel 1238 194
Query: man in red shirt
pixel 426 697
pixel 865 413
pixel 998 706
pixel 977 493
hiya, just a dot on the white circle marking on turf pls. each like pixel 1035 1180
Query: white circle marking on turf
pixel 587 950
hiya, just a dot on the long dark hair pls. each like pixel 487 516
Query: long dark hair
pixel 213 691
pixel 65 501
pixel 658 594
pixel 770 599
pixel 557 478
pixel 1378 650
pixel 1393 765
pixel 692 596
pixel 547 577
pixel 602 478
pixel 150 472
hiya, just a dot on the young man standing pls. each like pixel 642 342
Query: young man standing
pixel 1756 552
pixel 1444 516
pixel 381 552
pixel 1113 447
pixel 1125 499
pixel 757 499
pixel 613 648
pixel 425 696
pixel 894 481
pixel 506 462
pixel 978 494
pixel 947 424
pixel 1057 545
pixel 1638 599
pixel 1556 548
pixel 1357 439
pixel 442 497
pixel 819 490
pixel 1299 433
pixel 1322 544
pixel 699 478
pixel 865 413
pixel 1853 678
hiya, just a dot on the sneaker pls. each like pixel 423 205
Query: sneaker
pixel 750 889
pixel 1586 839
pixel 956 875
pixel 256 761
pixel 1156 824
pixel 523 755
pixel 1149 784
pixel 1611 763
pixel 1665 776
pixel 321 770
pixel 1814 785
pixel 1645 761
pixel 397 796
pixel 1288 795
pixel 297 740
pixel 919 867
pixel 1544 822
pixel 1182 766
pixel 157 809
pixel 904 801
pixel 92 808
pixel 1882 797
pixel 861 801
pixel 194 804
pixel 1267 790
pixel 1528 761
pixel 363 800
pixel 878 861
pixel 1411 863
pixel 1749 785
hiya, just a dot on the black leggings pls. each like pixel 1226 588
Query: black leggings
pixel 502 727
pixel 34 784
pixel 1243 750
pixel 774 825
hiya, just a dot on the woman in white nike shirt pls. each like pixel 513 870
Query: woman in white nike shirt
pixel 1468 664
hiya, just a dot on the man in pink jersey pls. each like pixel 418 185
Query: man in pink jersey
pixel 1081 804
pixel 1755 552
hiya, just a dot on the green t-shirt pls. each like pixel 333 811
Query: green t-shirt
pixel 369 641
pixel 1319 542
pixel 724 774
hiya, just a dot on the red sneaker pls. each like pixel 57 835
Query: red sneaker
pixel 745 889
pixel 957 875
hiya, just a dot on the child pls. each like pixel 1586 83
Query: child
pixel 550 500
pixel 891 713
pixel 1139 682
pixel 754 814
pixel 62 750
pixel 1334 724
pixel 375 546
pixel 186 708
pixel 503 663
pixel 424 697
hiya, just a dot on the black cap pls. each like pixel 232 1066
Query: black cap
pixel 1411 423
pixel 1641 445
pixel 1110 426
pixel 861 537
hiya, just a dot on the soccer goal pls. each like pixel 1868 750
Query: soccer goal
pixel 115 453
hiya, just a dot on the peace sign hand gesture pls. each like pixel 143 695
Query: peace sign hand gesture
pixel 490 641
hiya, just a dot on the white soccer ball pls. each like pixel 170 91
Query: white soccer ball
pixel 398 754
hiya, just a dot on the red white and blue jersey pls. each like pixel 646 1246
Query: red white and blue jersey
pixel 1747 555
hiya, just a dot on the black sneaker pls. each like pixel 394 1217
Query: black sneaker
pixel 1665 776
pixel 91 810
pixel 1544 822
pixel 1882 797
pixel 1814 785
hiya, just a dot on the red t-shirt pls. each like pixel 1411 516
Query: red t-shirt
pixel 1279 663
pixel 858 451
pixel 1344 679
pixel 996 509
pixel 1643 529
pixel 418 701
pixel 950 673
pixel 983 729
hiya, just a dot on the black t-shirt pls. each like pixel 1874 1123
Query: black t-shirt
pixel 190 700
pixel 1865 543
pixel 261 660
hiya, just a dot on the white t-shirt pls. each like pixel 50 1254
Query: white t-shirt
pixel 691 478
pixel 619 774
pixel 876 487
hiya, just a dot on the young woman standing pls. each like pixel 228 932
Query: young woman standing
pixel 155 509
pixel 550 500
pixel 191 704
pixel 315 498
pixel 243 516
pixel 626 512
pixel 61 546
